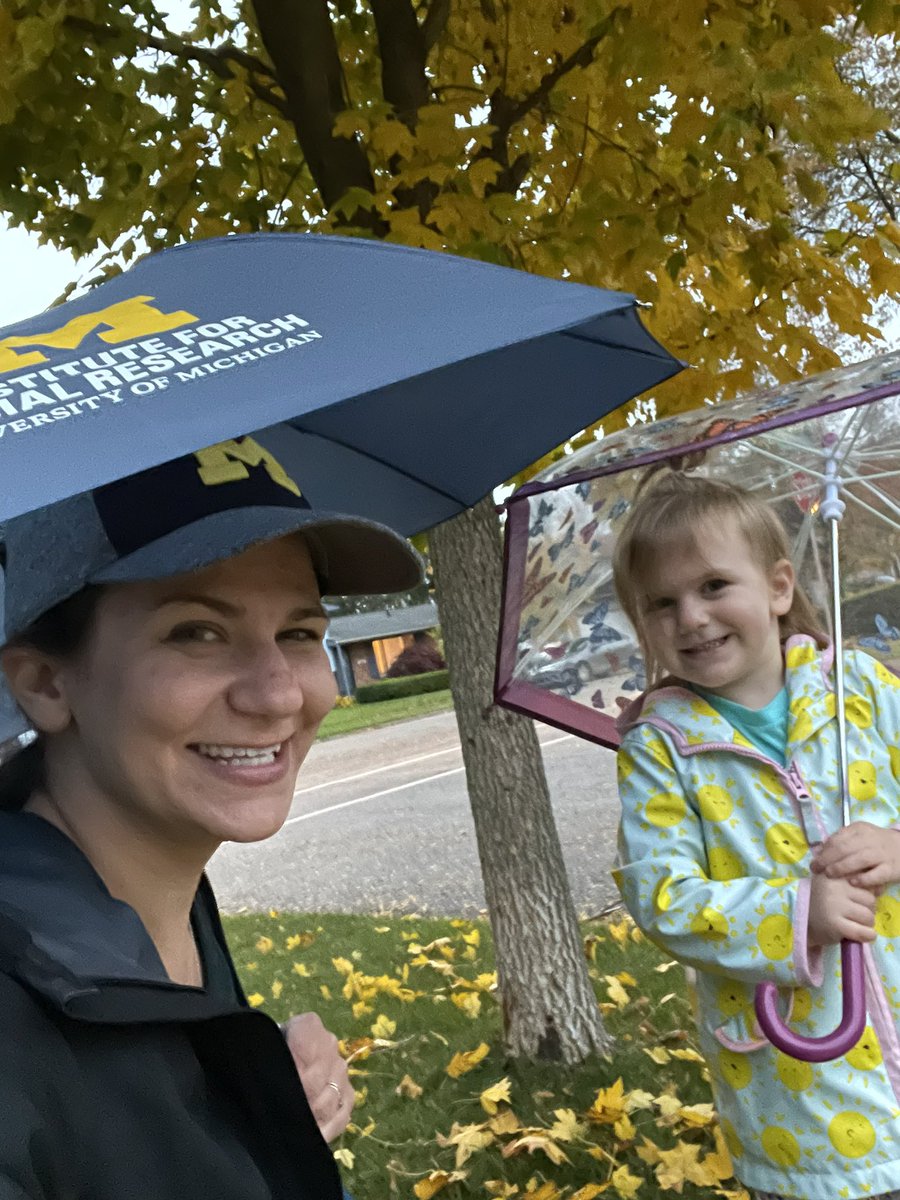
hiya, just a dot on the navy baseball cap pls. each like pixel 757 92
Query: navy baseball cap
pixel 178 517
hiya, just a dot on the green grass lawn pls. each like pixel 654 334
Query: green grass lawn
pixel 407 994
pixel 383 712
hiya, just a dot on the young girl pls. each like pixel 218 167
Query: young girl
pixel 731 853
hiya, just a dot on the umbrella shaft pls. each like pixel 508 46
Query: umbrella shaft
pixel 837 626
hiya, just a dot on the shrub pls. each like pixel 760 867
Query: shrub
pixel 417 659
pixel 408 685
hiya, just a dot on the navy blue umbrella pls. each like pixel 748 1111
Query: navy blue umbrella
pixel 399 384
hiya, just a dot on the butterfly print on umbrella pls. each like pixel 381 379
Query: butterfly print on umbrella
pixel 885 633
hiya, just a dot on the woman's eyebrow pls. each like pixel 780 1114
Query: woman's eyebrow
pixel 227 609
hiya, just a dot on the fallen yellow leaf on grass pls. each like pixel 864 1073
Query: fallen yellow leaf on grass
pixel 504 1123
pixel 491 1098
pixel 547 1191
pixel 638 1099
pixel 567 1127
pixel 301 969
pixel 616 992
pixel 500 1190
pixel 345 1157
pixel 589 1191
pixel 436 1182
pixel 468 1002
pixel 666 966
pixel 256 1000
pixel 264 944
pixel 698 1116
pixel 277 988
pixel 624 1130
pixel 468 1140
pixel 301 940
pixel 624 1182
pixel 384 1027
pixel 688 1056
pixel 408 1087
pixel 536 1140
pixel 659 1054
pixel 467 1060
pixel 609 1104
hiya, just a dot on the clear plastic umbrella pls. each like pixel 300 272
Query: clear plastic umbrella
pixel 822 451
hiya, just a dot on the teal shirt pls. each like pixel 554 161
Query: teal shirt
pixel 766 728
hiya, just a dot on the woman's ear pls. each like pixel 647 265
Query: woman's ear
pixel 781 587
pixel 34 680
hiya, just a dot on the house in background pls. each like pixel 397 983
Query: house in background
pixel 362 646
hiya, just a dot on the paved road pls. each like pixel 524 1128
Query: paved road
pixel 381 823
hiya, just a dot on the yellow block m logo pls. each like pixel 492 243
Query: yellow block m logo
pixel 129 319
pixel 227 462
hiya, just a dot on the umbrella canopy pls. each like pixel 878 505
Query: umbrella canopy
pixel 398 384
pixel 568 654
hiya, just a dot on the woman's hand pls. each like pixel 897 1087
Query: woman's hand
pixel 866 855
pixel 323 1073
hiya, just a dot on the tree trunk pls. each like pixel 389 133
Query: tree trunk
pixel 549 1007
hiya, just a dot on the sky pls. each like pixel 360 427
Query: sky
pixel 32 275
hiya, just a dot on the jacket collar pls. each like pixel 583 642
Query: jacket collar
pixel 694 724
pixel 65 937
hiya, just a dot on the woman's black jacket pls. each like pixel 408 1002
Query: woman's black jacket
pixel 115 1083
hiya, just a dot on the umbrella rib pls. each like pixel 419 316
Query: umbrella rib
pixel 582 337
pixel 873 511
pixel 887 501
pixel 382 462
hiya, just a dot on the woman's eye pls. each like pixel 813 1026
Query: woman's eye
pixel 302 635
pixel 194 632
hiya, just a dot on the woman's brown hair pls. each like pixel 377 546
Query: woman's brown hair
pixel 62 631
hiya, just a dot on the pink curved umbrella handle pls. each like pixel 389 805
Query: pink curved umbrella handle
pixel 833 1045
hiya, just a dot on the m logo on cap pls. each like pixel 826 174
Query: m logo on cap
pixel 129 319
pixel 227 462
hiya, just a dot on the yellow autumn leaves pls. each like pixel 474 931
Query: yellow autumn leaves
pixel 441 1113
pixel 688 1161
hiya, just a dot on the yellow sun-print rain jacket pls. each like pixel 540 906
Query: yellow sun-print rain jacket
pixel 714 856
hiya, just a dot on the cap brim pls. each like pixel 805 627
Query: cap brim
pixel 354 557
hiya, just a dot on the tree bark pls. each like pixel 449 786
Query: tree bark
pixel 549 1007
pixel 299 39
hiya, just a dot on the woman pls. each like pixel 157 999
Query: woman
pixel 164 638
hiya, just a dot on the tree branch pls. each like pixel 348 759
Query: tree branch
pixel 507 111
pixel 404 84
pixel 402 50
pixel 435 23
pixel 876 184
pixel 218 59
pixel 299 39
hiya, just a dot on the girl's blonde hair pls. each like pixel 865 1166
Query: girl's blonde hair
pixel 674 504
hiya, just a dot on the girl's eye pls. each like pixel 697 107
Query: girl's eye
pixel 658 604
pixel 193 631
pixel 716 585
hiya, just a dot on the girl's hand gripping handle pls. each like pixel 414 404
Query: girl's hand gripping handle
pixel 832 1045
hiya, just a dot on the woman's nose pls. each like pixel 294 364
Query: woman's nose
pixel 267 684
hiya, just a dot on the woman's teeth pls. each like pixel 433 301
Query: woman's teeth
pixel 248 755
